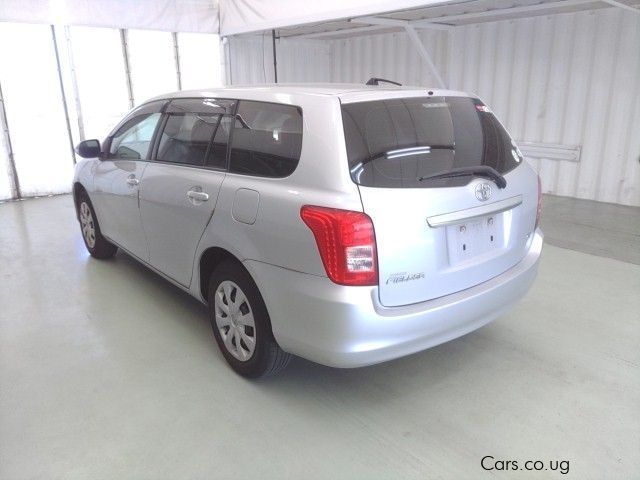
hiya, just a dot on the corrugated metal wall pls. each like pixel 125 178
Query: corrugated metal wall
pixel 298 61
pixel 389 56
pixel 570 79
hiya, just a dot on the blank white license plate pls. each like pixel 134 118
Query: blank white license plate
pixel 473 238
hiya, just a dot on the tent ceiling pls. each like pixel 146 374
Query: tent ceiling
pixel 445 15
pixel 326 18
pixel 167 15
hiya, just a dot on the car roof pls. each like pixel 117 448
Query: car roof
pixel 347 92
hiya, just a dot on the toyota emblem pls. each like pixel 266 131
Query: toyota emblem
pixel 483 191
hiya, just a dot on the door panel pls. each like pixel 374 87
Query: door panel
pixel 176 204
pixel 178 195
pixel 117 178
pixel 116 202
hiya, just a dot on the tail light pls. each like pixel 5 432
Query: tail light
pixel 539 210
pixel 346 242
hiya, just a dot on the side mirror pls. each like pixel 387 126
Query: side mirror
pixel 89 148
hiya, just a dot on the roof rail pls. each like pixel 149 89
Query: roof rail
pixel 376 81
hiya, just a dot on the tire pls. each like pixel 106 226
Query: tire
pixel 239 317
pixel 97 245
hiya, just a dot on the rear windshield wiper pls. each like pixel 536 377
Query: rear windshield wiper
pixel 479 171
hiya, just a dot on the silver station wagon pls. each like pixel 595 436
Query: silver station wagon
pixel 346 224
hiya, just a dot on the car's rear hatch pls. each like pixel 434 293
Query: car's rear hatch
pixel 437 236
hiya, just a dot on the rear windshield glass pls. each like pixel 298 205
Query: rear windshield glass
pixel 399 142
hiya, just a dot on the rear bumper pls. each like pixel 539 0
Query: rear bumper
pixel 347 327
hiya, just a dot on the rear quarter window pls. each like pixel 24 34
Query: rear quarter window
pixel 266 140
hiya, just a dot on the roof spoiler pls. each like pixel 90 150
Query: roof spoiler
pixel 376 81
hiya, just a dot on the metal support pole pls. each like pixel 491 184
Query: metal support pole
pixel 176 56
pixel 624 6
pixel 413 35
pixel 127 69
pixel 62 93
pixel 15 182
pixel 275 62
pixel 415 38
pixel 74 83
pixel 230 64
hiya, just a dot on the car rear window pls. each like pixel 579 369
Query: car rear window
pixel 397 142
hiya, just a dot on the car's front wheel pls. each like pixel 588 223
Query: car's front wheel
pixel 98 246
pixel 241 323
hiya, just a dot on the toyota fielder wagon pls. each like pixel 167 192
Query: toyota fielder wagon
pixel 346 224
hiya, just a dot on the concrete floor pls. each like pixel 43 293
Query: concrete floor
pixel 603 229
pixel 109 372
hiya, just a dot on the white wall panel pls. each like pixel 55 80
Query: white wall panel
pixel 390 55
pixel 100 73
pixel 298 61
pixel 93 72
pixel 152 63
pixel 249 59
pixel 5 170
pixel 200 65
pixel 165 15
pixel 303 61
pixel 571 79
pixel 35 114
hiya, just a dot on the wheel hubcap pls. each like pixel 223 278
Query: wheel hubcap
pixel 234 320
pixel 87 225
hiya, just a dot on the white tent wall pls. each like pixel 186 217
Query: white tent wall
pixel 201 62
pixel 34 108
pixel 101 82
pixel 96 89
pixel 152 63
pixel 570 79
pixel 298 60
pixel 6 187
pixel 166 15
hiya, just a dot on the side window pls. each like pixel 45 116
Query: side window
pixel 196 132
pixel 266 140
pixel 133 139
pixel 186 138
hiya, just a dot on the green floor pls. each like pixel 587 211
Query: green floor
pixel 109 372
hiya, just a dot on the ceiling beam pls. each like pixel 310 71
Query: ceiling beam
pixel 440 23
pixel 622 5
pixel 334 33
pixel 501 12
pixel 394 22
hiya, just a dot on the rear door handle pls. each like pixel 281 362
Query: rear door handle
pixel 198 195
pixel 132 181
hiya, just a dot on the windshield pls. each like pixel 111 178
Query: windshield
pixel 402 142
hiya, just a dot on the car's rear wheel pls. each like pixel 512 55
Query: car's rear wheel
pixel 241 323
pixel 97 245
